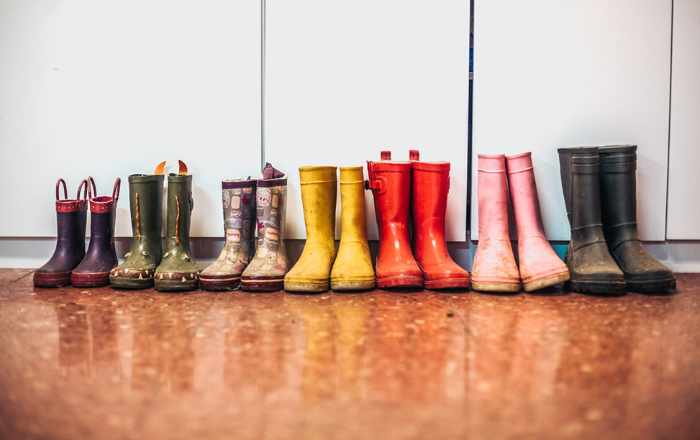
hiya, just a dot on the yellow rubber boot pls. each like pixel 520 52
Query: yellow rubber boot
pixel 352 269
pixel 318 192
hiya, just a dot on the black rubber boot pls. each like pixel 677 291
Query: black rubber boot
pixel 643 273
pixel 592 268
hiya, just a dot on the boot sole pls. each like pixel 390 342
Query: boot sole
pixel 131 283
pixel 399 281
pixel 94 279
pixel 175 285
pixel 547 281
pixel 496 286
pixel 306 286
pixel 447 283
pixel 597 287
pixel 51 279
pixel 667 285
pixel 262 284
pixel 350 285
pixel 219 284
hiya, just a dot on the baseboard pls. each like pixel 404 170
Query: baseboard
pixel 23 252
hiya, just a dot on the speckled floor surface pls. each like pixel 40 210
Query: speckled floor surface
pixel 100 364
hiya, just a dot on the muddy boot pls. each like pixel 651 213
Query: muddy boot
pixel 177 270
pixel 592 268
pixel 71 216
pixel 101 256
pixel 352 269
pixel 494 268
pixel 267 269
pixel 238 198
pixel 146 204
pixel 643 273
pixel 539 265
pixel 312 271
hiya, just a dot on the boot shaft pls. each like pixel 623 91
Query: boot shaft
pixel 493 197
pixel 318 197
pixel 238 201
pixel 390 182
pixel 146 206
pixel 270 208
pixel 581 186
pixel 523 194
pixel 352 200
pixel 180 207
pixel 618 167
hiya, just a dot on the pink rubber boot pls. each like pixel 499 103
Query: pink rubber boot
pixel 540 266
pixel 494 268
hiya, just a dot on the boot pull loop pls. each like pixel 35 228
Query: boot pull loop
pixel 60 182
pixel 84 188
pixel 91 188
pixel 413 155
pixel 385 155
pixel 116 189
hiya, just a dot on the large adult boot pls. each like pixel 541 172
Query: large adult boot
pixel 390 182
pixel 71 216
pixel 101 255
pixel 146 204
pixel 592 268
pixel 494 268
pixel 238 198
pixel 643 273
pixel 352 269
pixel 431 183
pixel 266 270
pixel 177 270
pixel 540 266
pixel 312 271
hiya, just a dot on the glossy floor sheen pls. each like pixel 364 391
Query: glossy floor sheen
pixel 99 364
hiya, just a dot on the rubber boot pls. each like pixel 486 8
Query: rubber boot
pixel 390 182
pixel 643 273
pixel 71 217
pixel 266 270
pixel 494 268
pixel 592 268
pixel 238 198
pixel 312 271
pixel 352 269
pixel 431 183
pixel 146 250
pixel 540 266
pixel 101 255
pixel 177 270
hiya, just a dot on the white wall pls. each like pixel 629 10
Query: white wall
pixel 346 79
pixel 550 74
pixel 684 178
pixel 110 88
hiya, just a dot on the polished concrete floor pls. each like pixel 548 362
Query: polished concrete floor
pixel 100 364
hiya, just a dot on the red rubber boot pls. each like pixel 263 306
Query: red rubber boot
pixel 390 183
pixel 431 182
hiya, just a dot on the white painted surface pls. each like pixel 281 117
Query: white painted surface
pixel 110 88
pixel 345 79
pixel 554 74
pixel 684 178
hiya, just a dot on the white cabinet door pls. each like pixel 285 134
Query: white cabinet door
pixel 684 177
pixel 551 73
pixel 110 88
pixel 345 79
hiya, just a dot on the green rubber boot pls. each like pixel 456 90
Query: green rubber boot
pixel 139 266
pixel 178 271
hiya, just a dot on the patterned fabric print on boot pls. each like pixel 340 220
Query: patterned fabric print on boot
pixel 238 198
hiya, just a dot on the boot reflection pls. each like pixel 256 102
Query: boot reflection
pixel 351 313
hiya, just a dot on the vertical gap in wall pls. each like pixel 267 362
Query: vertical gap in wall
pixel 263 32
pixel 670 98
pixel 470 108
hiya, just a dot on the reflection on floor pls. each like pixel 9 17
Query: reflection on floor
pixel 103 364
